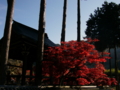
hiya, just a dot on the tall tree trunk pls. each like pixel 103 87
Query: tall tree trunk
pixel 110 64
pixel 6 42
pixel 41 34
pixel 116 67
pixel 78 21
pixel 64 21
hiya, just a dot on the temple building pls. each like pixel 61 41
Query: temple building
pixel 23 47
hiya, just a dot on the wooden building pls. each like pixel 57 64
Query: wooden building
pixel 23 46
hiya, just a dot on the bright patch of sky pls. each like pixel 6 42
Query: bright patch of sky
pixel 27 12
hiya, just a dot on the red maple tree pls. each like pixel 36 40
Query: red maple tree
pixel 75 63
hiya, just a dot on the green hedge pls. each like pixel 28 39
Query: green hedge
pixel 112 71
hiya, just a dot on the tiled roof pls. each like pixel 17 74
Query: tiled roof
pixel 30 33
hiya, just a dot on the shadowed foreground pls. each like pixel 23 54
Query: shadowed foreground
pixel 5 87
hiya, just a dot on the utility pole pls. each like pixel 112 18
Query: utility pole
pixel 6 42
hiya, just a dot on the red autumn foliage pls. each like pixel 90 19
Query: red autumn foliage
pixel 70 64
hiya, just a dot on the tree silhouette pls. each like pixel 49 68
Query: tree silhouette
pixel 104 25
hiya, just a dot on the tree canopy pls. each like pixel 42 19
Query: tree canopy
pixel 104 25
